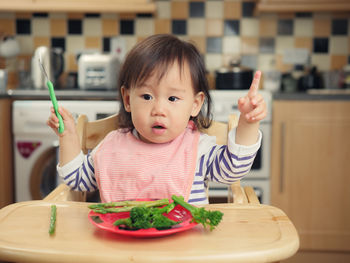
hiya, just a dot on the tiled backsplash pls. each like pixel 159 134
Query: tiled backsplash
pixel 222 30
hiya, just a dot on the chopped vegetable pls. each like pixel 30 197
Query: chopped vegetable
pixel 200 215
pixel 125 206
pixel 142 217
pixel 52 220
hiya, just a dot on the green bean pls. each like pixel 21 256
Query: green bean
pixel 52 220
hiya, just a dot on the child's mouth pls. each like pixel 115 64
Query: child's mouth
pixel 158 129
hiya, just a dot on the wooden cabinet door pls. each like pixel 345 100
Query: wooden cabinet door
pixel 302 5
pixel 310 177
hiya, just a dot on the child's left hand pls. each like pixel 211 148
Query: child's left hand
pixel 253 106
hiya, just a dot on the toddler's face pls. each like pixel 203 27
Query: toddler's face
pixel 160 110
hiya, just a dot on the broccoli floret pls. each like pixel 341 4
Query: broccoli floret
pixel 200 215
pixel 142 217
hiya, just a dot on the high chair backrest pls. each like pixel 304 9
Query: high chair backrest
pixel 92 132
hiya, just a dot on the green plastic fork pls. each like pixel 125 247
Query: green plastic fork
pixel 52 97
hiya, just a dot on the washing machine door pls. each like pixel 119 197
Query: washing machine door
pixel 43 177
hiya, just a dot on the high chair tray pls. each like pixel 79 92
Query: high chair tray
pixel 247 233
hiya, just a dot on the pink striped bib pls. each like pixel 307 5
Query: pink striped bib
pixel 127 168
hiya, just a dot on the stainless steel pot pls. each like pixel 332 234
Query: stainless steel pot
pixel 234 77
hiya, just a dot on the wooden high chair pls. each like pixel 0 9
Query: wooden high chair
pixel 91 133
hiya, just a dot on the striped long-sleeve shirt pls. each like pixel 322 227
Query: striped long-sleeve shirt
pixel 219 163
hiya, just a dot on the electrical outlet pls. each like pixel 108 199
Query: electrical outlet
pixel 118 47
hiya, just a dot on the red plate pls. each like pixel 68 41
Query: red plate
pixel 105 221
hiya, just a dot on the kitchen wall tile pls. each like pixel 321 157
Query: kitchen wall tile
pixel 40 27
pixel 267 45
pixel 321 61
pixel 214 27
pixel 214 45
pixel 40 15
pixel 179 9
pixel 249 45
pixel 338 45
pixel 92 15
pixel 41 41
pixel 266 62
pixel 26 44
pixel 197 9
pixel 144 27
pixel 339 27
pixel 76 15
pixel 338 62
pixel 322 26
pixel 71 63
pixel 127 27
pixel 7 26
pixel 75 44
pixel 23 15
pixel 231 27
pixel 75 27
pixel 303 27
pixel 23 27
pixel 214 9
pixel 285 27
pixel 283 43
pixel 59 42
pixel 249 27
pixel 112 16
pixel 196 27
pixel 179 27
pixel 127 16
pixel 268 27
pixel 106 44
pixel 199 42
pixel 92 27
pixel 162 26
pixel 231 45
pixel 248 8
pixel 250 61
pixel 8 15
pixel 58 15
pixel 281 65
pixel 93 43
pixel 130 42
pixel 303 42
pixel 163 9
pixel 213 61
pixel 58 27
pixel 320 45
pixel 110 27
pixel 232 10
pixel 303 14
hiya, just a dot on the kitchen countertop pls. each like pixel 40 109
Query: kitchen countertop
pixel 28 94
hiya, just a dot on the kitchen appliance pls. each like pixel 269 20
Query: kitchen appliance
pixel 36 145
pixel 225 102
pixel 233 77
pixel 53 62
pixel 98 71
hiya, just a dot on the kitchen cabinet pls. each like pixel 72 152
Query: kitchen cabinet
pixel 303 6
pixel 87 6
pixel 310 171
pixel 6 168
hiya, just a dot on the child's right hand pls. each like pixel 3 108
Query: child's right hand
pixel 68 120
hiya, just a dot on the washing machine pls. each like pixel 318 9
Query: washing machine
pixel 36 145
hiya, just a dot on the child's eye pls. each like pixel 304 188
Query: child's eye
pixel 147 96
pixel 173 98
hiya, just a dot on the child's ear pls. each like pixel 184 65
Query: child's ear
pixel 126 98
pixel 197 104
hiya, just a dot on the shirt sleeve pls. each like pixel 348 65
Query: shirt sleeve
pixel 79 174
pixel 225 163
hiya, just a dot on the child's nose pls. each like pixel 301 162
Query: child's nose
pixel 158 109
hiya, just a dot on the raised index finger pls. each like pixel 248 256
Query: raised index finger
pixel 253 90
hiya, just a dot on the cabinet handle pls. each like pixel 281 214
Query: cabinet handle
pixel 283 131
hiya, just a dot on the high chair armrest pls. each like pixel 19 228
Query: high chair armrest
pixel 251 196
pixel 64 193
pixel 236 194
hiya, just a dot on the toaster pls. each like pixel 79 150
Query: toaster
pixel 98 71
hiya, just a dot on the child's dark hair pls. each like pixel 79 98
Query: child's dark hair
pixel 156 54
